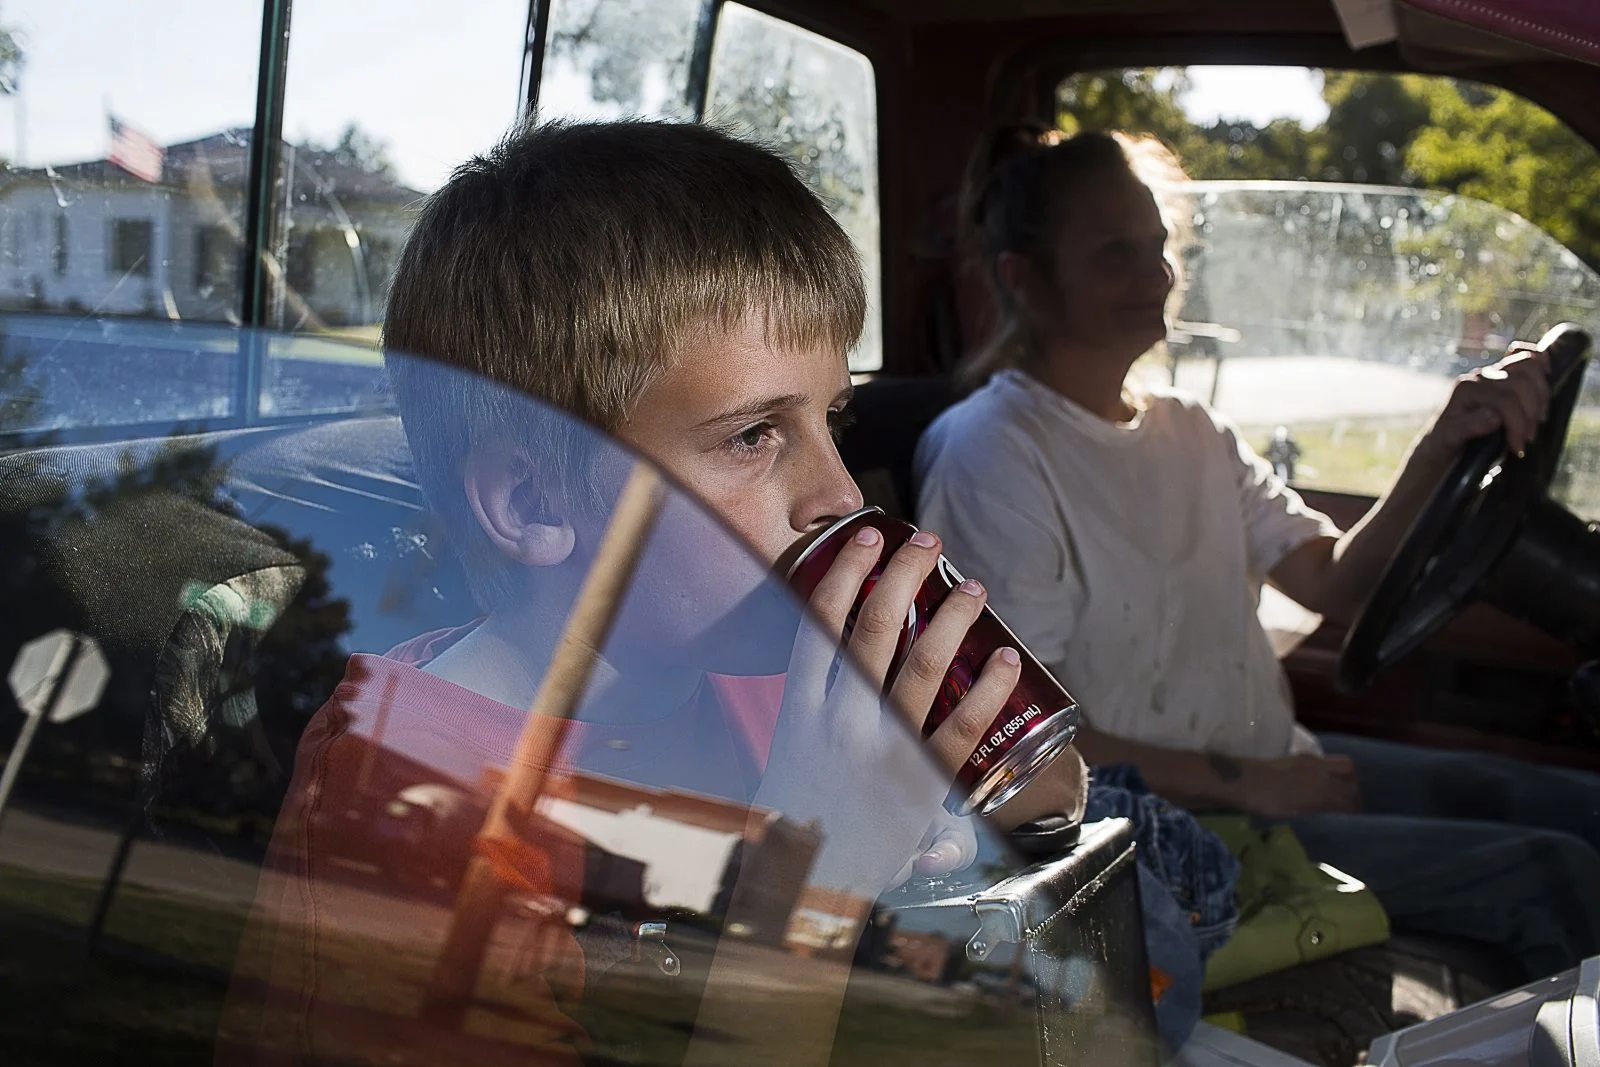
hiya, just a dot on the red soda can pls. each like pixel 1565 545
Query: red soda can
pixel 1039 719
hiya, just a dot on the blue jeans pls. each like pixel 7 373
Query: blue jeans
pixel 1171 945
pixel 1187 878
pixel 1473 846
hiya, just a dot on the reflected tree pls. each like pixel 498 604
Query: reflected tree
pixel 203 710
pixel 759 90
pixel 361 150
pixel 12 59
pixel 758 93
pixel 615 43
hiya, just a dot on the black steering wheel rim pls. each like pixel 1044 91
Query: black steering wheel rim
pixel 1468 524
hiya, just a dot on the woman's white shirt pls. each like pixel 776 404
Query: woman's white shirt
pixel 1128 557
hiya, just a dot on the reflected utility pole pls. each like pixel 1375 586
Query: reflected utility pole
pixel 479 899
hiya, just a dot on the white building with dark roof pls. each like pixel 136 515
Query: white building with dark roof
pixel 92 237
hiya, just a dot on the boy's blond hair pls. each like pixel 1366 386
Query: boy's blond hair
pixel 572 262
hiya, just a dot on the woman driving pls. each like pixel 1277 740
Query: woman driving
pixel 1126 533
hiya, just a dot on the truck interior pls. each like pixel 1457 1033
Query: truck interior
pixel 190 391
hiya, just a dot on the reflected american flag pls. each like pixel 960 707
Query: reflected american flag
pixel 134 152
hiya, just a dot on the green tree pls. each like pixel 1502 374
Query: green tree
pixel 1282 150
pixel 1149 101
pixel 360 149
pixel 1372 120
pixel 1143 101
pixel 1493 145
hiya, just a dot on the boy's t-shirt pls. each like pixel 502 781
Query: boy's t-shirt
pixel 341 942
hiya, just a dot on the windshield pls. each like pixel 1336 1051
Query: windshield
pixel 1345 312
pixel 273 784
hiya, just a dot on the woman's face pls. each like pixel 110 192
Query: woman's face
pixel 1107 295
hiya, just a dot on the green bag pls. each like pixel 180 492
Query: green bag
pixel 1291 910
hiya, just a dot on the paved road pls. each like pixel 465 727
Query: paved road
pixel 48 845
pixel 1261 391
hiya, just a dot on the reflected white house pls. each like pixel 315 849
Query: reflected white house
pixel 91 237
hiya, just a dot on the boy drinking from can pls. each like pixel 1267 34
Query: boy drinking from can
pixel 684 292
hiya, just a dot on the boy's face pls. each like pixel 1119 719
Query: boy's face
pixel 749 428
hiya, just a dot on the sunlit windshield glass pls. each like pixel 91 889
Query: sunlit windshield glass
pixel 1344 314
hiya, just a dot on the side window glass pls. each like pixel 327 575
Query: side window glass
pixel 125 131
pixel 121 144
pixel 611 58
pixel 369 131
pixel 1354 242
pixel 816 101
pixel 233 833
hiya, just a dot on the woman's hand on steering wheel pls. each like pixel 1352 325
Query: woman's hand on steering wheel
pixel 1514 394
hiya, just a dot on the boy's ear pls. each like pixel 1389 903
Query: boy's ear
pixel 508 498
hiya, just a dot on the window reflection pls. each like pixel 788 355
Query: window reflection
pixel 612 58
pixel 268 827
pixel 816 101
pixel 125 133
pixel 368 132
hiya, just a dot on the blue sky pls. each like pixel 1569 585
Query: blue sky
pixel 437 81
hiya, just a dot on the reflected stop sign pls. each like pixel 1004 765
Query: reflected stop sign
pixel 62 673
pixel 60 676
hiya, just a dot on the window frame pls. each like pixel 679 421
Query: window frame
pixel 697 90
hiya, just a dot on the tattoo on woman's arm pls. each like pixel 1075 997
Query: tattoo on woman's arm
pixel 1226 769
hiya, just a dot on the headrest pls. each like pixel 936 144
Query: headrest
pixel 113 554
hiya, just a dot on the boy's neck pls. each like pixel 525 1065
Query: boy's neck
pixel 505 659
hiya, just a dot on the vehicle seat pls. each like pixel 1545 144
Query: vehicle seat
pixel 137 556
pixel 223 573
pixel 879 447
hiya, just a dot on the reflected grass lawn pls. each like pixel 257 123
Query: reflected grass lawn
pixel 152 996
pixel 155 994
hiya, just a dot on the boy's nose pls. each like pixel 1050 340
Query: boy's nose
pixel 833 494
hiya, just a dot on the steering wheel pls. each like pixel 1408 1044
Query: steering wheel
pixel 1467 526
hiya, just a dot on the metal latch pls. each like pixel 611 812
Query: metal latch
pixel 999 922
pixel 650 941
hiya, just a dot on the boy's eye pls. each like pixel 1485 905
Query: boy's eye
pixel 753 439
pixel 839 421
